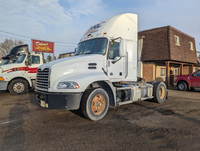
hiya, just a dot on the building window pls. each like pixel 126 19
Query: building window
pixel 162 72
pixel 191 46
pixel 177 41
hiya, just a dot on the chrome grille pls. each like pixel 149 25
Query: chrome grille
pixel 42 80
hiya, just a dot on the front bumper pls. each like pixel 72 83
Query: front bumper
pixel 3 85
pixel 64 101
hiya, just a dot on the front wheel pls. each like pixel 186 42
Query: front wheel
pixel 18 86
pixel 182 86
pixel 95 104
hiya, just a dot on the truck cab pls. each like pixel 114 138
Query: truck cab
pixel 186 82
pixel 20 73
pixel 101 74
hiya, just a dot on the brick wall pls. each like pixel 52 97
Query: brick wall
pixel 149 71
pixel 158 73
pixel 159 45
pixel 182 52
pixel 186 70
pixel 155 44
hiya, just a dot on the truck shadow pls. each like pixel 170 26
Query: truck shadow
pixel 14 138
pixel 78 113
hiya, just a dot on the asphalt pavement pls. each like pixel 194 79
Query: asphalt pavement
pixel 140 126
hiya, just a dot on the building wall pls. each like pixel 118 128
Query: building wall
pixel 154 71
pixel 160 77
pixel 182 52
pixel 155 44
pixel 149 71
pixel 159 45
pixel 64 55
pixel 186 70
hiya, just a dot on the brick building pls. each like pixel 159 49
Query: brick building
pixel 64 55
pixel 166 52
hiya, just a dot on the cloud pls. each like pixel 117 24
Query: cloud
pixel 81 7
pixel 51 20
pixel 32 17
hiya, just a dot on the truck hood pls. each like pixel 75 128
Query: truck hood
pixel 73 68
pixel 71 60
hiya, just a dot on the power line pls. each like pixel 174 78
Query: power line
pixel 57 44
pixel 12 37
pixel 14 34
pixel 33 38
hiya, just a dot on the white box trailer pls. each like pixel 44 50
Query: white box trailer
pixel 102 74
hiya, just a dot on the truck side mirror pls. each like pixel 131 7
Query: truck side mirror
pixel 122 48
pixel 26 62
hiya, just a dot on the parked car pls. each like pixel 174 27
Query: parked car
pixel 187 82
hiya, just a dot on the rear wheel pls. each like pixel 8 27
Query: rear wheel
pixel 95 103
pixel 159 92
pixel 182 86
pixel 18 86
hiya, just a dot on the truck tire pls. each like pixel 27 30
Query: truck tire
pixel 159 92
pixel 182 86
pixel 95 104
pixel 18 86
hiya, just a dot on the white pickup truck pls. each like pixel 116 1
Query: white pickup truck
pixel 18 72
pixel 102 74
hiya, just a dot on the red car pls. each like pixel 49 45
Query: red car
pixel 186 82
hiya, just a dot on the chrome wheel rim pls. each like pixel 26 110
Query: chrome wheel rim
pixel 162 92
pixel 98 104
pixel 18 87
pixel 181 86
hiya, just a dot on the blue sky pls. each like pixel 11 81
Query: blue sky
pixel 64 21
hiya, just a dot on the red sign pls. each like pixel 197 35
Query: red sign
pixel 42 46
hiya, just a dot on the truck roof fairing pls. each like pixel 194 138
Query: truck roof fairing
pixel 16 50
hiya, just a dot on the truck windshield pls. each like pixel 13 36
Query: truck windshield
pixel 6 61
pixel 93 46
pixel 20 59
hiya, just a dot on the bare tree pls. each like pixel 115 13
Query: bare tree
pixel 49 58
pixel 7 45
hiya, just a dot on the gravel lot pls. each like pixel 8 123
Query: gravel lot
pixel 141 126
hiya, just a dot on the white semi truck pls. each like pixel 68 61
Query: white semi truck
pixel 18 73
pixel 102 74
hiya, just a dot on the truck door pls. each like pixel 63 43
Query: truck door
pixel 115 63
pixel 195 79
pixel 32 69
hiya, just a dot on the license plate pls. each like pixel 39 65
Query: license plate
pixel 42 103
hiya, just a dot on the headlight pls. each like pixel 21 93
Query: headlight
pixel 68 85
